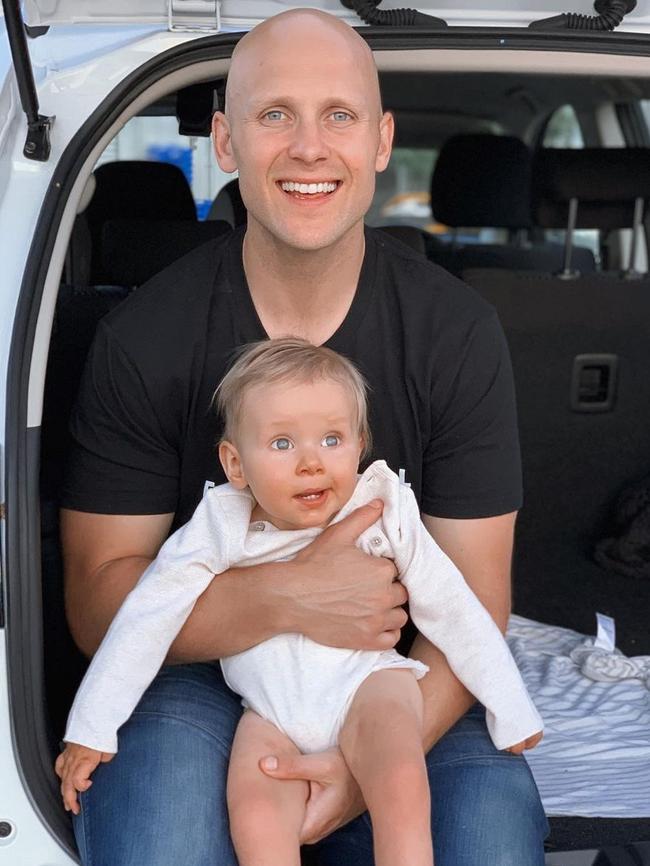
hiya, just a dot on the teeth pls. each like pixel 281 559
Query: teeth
pixel 310 495
pixel 307 188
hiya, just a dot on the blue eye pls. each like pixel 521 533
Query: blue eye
pixel 276 114
pixel 341 115
pixel 331 441
pixel 282 444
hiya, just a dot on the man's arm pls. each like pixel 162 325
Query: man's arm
pixel 482 550
pixel 331 591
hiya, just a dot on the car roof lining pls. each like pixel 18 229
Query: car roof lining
pixel 428 109
pixel 507 98
pixel 513 61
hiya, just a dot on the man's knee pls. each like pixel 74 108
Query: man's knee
pixel 488 806
pixel 163 797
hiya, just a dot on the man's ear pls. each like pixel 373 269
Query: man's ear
pixel 386 133
pixel 232 465
pixel 222 142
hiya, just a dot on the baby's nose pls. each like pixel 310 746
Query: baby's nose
pixel 309 462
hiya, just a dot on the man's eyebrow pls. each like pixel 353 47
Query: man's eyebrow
pixel 257 103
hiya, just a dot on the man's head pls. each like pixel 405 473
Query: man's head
pixel 303 107
pixel 295 429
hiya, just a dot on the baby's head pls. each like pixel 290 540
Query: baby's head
pixel 295 429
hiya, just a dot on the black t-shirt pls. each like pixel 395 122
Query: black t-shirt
pixel 433 352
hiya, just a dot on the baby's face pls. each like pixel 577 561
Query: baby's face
pixel 298 449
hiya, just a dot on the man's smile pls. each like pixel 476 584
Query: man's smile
pixel 314 190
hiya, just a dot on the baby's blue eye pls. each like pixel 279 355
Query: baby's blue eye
pixel 282 444
pixel 330 441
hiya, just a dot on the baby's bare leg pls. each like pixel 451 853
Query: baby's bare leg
pixel 265 814
pixel 381 741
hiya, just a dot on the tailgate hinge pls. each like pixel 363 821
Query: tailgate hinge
pixel 37 144
pixel 192 16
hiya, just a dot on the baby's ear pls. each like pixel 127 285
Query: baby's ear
pixel 363 448
pixel 232 465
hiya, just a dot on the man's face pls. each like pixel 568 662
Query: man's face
pixel 306 133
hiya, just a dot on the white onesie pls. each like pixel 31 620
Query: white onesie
pixel 303 687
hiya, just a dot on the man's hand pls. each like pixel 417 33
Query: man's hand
pixel 331 592
pixel 343 597
pixel 334 796
pixel 74 767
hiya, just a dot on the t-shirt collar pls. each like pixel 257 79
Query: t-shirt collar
pixel 248 326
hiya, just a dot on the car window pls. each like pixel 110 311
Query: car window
pixel 403 191
pixel 645 108
pixel 158 139
pixel 563 129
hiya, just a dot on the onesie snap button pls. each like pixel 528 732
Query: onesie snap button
pixel 376 540
pixel 258 526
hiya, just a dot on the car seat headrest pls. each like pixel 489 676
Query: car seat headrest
pixel 482 181
pixel 605 182
pixel 133 251
pixel 139 189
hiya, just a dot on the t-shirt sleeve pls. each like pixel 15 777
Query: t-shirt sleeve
pixel 122 461
pixel 472 464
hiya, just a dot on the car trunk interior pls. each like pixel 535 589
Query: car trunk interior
pixel 576 463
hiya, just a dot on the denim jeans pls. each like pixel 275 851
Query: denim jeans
pixel 161 800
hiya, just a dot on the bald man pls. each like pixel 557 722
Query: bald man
pixel 304 128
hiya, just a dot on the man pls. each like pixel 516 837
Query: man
pixel 304 127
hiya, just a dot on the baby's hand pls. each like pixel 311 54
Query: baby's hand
pixel 74 766
pixel 528 743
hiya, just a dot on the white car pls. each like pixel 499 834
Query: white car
pixel 524 135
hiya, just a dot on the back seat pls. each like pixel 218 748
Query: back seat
pixel 134 250
pixel 135 219
pixel 580 351
pixel 78 310
pixel 228 205
pixel 134 189
pixel 484 181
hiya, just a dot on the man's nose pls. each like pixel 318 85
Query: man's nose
pixel 308 142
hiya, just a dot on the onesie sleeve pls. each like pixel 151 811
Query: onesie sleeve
pixel 447 613
pixel 137 642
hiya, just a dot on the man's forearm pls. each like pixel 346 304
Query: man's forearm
pixel 90 613
pixel 482 549
pixel 445 698
pixel 239 609
pixel 331 592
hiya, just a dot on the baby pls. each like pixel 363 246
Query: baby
pixel 295 432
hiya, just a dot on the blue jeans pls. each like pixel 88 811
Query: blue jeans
pixel 161 800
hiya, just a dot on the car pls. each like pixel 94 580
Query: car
pixel 521 164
